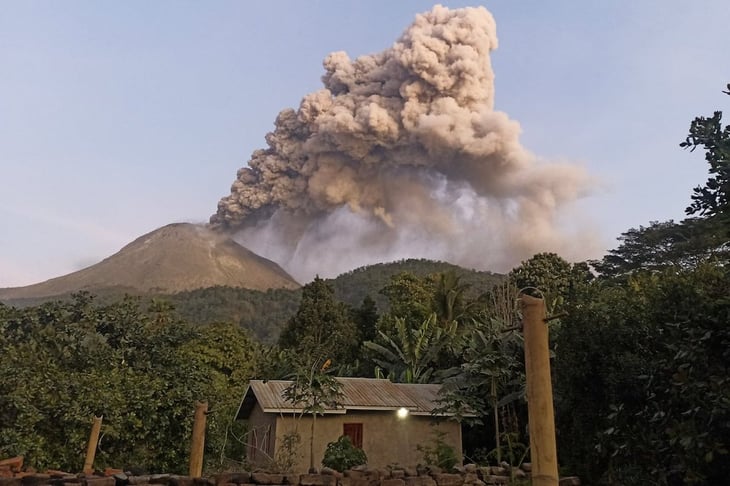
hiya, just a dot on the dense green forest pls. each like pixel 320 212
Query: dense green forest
pixel 640 343
pixel 262 313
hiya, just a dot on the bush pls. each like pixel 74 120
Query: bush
pixel 342 455
pixel 438 453
pixel 287 454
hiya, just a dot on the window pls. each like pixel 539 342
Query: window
pixel 354 432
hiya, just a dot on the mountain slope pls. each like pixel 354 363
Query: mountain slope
pixel 174 258
pixel 353 286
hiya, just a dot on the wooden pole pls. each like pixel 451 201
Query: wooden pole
pixel 198 442
pixel 541 415
pixel 91 447
pixel 495 411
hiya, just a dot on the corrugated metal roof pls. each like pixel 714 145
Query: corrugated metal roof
pixel 424 396
pixel 358 394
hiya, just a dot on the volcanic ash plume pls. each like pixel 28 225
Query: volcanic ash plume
pixel 401 154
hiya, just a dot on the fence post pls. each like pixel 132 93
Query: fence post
pixel 198 442
pixel 91 448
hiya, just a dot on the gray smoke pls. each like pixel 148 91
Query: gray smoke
pixel 402 154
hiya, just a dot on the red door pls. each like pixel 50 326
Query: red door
pixel 354 432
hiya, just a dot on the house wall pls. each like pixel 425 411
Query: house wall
pixel 386 438
pixel 261 437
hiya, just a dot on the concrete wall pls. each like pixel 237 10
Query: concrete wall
pixel 386 438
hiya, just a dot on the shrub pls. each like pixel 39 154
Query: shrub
pixel 342 455
pixel 438 453
pixel 287 454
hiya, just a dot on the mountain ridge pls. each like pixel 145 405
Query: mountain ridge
pixel 174 258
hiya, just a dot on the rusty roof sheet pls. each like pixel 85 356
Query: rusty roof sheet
pixel 358 394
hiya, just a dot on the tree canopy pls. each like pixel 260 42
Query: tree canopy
pixel 712 199
pixel 322 328
pixel 141 369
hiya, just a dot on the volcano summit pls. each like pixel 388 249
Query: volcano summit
pixel 174 258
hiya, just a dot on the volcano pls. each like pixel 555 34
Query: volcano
pixel 174 258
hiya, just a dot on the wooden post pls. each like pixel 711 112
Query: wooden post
pixel 198 442
pixel 541 415
pixel 91 447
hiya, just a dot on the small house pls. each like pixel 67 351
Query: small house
pixel 386 420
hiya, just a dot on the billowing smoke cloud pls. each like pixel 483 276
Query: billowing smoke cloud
pixel 401 154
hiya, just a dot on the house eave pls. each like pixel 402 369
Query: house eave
pixel 340 411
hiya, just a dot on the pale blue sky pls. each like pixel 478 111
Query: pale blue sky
pixel 120 117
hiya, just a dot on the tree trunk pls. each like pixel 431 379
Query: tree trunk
pixel 498 443
pixel 312 470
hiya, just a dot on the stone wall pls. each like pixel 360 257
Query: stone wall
pixel 469 475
